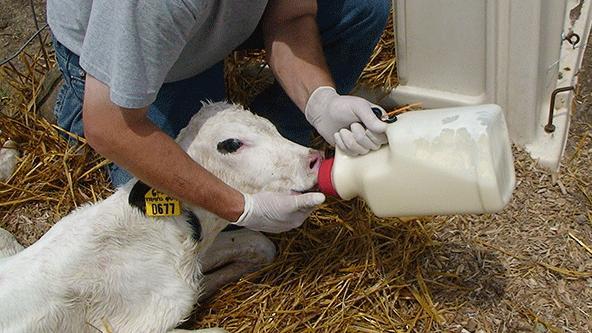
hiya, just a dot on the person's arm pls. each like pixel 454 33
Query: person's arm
pixel 294 50
pixel 131 140
pixel 295 55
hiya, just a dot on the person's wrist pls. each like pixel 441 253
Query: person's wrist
pixel 246 209
pixel 236 207
pixel 318 96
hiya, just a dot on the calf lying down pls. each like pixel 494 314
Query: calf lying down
pixel 109 265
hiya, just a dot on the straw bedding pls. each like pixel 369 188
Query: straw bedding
pixel 527 268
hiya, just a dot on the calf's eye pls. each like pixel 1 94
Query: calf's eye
pixel 229 146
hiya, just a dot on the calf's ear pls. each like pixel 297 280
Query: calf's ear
pixel 137 196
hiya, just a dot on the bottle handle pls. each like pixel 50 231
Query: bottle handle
pixel 384 117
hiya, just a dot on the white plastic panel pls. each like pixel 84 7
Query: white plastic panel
pixel 507 52
pixel 561 68
pixel 441 48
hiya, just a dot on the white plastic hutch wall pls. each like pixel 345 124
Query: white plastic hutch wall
pixel 513 53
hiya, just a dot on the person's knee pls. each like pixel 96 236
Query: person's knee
pixel 375 13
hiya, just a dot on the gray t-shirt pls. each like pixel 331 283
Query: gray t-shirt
pixel 134 46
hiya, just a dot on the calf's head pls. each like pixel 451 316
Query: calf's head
pixel 247 152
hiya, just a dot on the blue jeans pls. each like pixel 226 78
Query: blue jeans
pixel 349 31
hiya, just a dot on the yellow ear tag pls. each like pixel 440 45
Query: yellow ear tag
pixel 160 204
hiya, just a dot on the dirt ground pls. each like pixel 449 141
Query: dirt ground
pixel 17 24
pixel 526 269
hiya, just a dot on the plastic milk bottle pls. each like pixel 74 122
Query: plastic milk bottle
pixel 438 162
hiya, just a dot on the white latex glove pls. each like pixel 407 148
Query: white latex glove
pixel 345 121
pixel 277 212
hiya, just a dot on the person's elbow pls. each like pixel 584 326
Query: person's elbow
pixel 99 117
pixel 98 137
pixel 108 126
pixel 280 12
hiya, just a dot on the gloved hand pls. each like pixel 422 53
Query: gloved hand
pixel 337 118
pixel 277 212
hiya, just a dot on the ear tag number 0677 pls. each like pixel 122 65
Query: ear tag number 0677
pixel 160 204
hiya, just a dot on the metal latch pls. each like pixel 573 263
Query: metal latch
pixel 550 128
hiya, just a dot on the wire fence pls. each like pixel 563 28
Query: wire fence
pixel 25 69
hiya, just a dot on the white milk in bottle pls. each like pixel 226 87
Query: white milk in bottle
pixel 438 162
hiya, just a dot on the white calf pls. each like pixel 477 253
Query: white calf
pixel 109 265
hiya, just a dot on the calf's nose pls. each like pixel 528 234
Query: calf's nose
pixel 314 160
